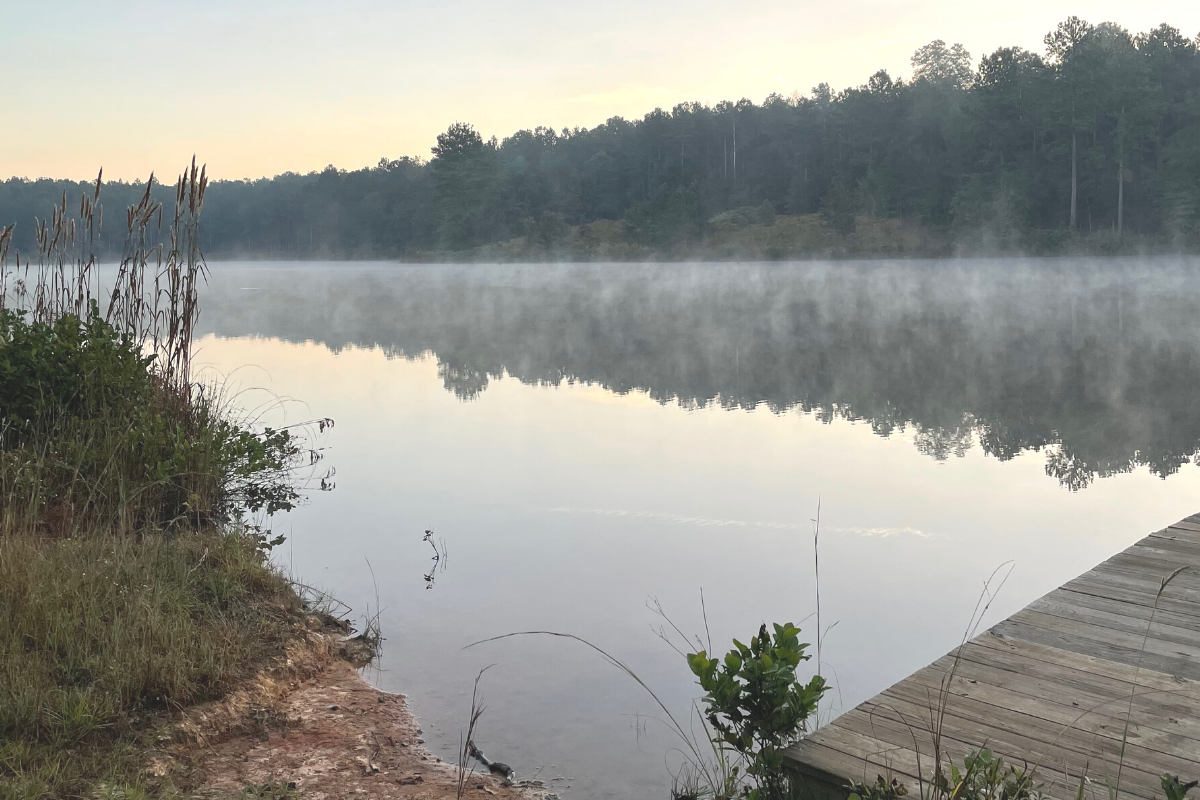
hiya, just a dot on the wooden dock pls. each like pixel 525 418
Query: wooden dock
pixel 1050 686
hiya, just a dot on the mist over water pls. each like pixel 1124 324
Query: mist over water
pixel 584 438
pixel 1096 361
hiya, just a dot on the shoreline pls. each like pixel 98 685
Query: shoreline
pixel 660 258
pixel 311 726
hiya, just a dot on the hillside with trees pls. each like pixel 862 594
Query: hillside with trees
pixel 1091 146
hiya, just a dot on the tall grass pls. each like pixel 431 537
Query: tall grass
pixel 154 296
pixel 100 421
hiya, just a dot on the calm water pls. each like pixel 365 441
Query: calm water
pixel 590 440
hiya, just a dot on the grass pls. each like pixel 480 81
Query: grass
pixel 132 582
pixel 467 750
pixel 99 632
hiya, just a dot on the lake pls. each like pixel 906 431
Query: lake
pixel 590 442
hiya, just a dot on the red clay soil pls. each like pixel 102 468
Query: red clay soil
pixel 316 727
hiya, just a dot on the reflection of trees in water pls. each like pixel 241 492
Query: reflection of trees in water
pixel 1098 367
pixel 466 382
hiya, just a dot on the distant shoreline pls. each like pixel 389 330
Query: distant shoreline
pixel 783 238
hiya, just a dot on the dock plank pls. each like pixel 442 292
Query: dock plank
pixel 1051 685
pixel 1065 702
pixel 1054 724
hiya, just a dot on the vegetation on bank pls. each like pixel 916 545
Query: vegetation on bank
pixel 102 632
pixel 130 582
pixel 758 234
pixel 1092 145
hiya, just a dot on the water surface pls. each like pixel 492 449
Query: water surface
pixel 588 441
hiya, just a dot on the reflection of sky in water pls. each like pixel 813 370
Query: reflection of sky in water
pixel 568 507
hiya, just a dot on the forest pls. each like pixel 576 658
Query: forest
pixel 1091 146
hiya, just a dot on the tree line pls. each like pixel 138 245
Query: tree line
pixel 1097 138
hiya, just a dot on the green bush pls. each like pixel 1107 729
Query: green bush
pixel 1175 789
pixel 68 367
pixel 91 436
pixel 756 705
pixel 881 789
pixel 985 776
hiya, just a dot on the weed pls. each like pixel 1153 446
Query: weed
pixel 881 789
pixel 986 777
pixel 466 746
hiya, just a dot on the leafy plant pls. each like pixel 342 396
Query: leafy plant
pixel 755 703
pixel 68 366
pixel 881 789
pixel 92 432
pixel 1174 789
pixel 985 776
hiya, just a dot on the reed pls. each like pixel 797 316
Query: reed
pixel 466 746
pixel 101 423
pixel 154 296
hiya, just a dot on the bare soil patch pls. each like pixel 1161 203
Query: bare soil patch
pixel 313 725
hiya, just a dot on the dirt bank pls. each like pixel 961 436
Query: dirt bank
pixel 312 728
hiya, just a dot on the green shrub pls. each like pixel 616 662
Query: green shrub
pixel 881 789
pixel 1175 789
pixel 755 703
pixel 91 436
pixel 68 367
pixel 985 776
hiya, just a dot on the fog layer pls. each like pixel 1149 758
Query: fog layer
pixel 1095 362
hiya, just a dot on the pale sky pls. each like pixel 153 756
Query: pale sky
pixel 258 87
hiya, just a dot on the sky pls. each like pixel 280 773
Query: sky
pixel 260 87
